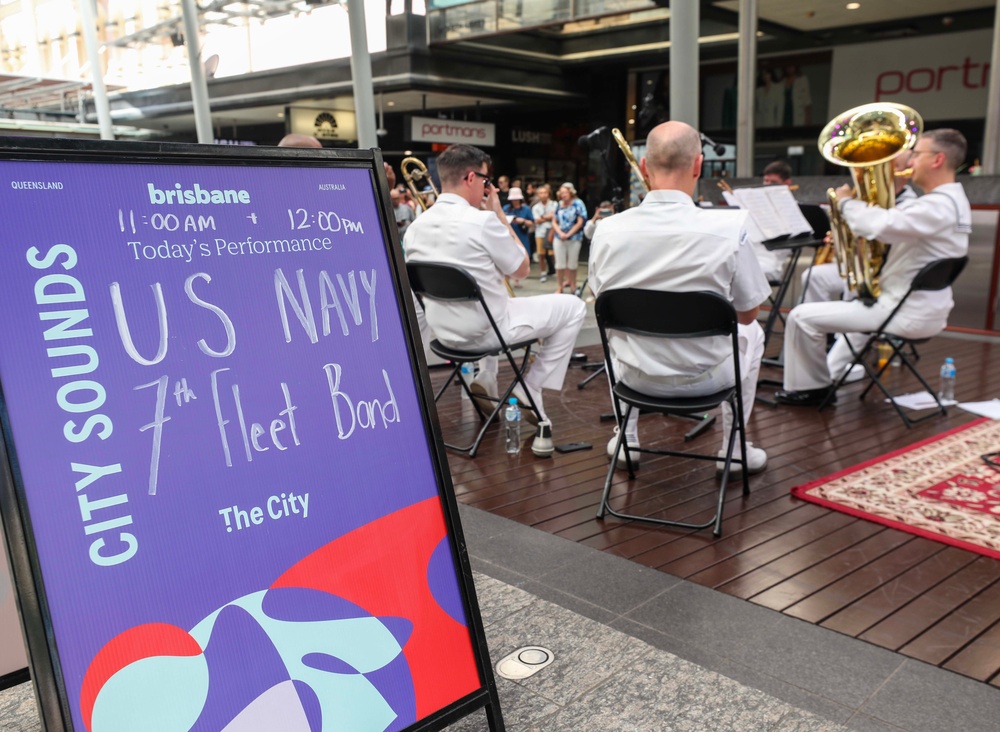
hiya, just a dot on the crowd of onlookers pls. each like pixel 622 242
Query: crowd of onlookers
pixel 550 224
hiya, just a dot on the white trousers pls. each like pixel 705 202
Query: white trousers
pixel 824 284
pixel 808 366
pixel 751 345
pixel 426 336
pixel 555 320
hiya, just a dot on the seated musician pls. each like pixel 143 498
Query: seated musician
pixel 922 230
pixel 467 228
pixel 822 282
pixel 668 243
pixel 772 263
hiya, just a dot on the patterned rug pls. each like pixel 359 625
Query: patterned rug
pixel 939 488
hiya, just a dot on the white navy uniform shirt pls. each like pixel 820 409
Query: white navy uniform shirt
pixel 668 243
pixel 922 230
pixel 453 232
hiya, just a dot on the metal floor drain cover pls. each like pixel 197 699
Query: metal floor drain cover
pixel 524 662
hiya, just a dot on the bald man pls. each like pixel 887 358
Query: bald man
pixel 297 140
pixel 668 243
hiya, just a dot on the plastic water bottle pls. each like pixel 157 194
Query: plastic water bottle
pixel 512 427
pixel 947 391
pixel 467 373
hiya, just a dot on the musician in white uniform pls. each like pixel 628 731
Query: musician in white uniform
pixel 922 230
pixel 668 243
pixel 467 228
pixel 823 282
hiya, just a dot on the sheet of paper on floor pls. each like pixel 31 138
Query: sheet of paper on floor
pixel 989 409
pixel 920 400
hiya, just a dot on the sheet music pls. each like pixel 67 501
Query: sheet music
pixel 788 209
pixel 762 212
pixel 753 231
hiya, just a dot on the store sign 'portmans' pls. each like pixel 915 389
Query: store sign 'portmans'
pixel 448 131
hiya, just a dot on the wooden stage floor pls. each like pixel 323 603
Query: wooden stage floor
pixel 924 599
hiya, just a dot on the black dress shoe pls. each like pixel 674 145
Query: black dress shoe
pixel 804 398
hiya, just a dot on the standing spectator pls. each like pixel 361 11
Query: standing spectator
pixel 503 186
pixel 403 213
pixel 407 198
pixel 570 217
pixel 604 209
pixel 521 220
pixel 544 212
pixel 531 193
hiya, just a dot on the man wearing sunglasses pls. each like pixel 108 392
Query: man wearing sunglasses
pixel 922 230
pixel 467 228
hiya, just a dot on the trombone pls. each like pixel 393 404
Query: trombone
pixel 414 172
pixel 629 156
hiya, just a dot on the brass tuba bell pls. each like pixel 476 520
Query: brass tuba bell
pixel 866 139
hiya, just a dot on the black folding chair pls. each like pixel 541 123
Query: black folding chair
pixel 447 283
pixel 934 276
pixel 680 315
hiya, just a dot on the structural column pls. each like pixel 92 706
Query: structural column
pixel 991 136
pixel 745 77
pixel 361 75
pixel 199 87
pixel 89 19
pixel 684 31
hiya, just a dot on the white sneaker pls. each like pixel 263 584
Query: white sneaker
pixel 544 278
pixel 622 463
pixel 856 373
pixel 484 391
pixel 527 413
pixel 756 461
pixel 542 445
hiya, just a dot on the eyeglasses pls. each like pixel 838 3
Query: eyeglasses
pixel 487 182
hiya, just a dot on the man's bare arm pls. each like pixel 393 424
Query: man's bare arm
pixel 745 317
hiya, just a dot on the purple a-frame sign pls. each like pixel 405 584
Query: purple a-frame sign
pixel 223 486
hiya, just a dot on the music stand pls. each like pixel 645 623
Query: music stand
pixel 818 220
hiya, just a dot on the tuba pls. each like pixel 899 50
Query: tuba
pixel 866 139
pixel 414 172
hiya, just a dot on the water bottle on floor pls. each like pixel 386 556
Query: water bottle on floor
pixel 947 391
pixel 466 374
pixel 512 427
